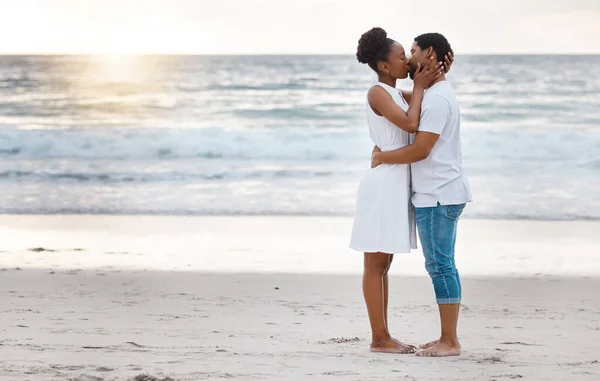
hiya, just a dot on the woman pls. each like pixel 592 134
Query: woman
pixel 382 222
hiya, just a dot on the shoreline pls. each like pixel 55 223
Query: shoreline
pixel 275 244
pixel 110 214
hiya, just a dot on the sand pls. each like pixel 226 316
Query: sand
pixel 118 299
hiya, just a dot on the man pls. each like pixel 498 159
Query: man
pixel 440 189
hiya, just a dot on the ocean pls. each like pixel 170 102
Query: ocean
pixel 280 135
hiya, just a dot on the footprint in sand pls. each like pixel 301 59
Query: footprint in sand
pixel 86 377
pixel 340 373
pixel 68 367
pixel 147 377
pixel 490 360
pixel 512 376
pixel 134 344
pixel 340 340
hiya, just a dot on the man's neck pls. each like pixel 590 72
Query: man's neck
pixel 439 79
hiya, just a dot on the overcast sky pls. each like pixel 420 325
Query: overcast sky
pixel 293 26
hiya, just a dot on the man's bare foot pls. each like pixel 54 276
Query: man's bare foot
pixel 429 344
pixel 441 349
pixel 392 346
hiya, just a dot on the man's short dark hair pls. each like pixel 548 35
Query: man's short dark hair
pixel 438 42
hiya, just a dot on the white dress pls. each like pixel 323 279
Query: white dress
pixel 384 216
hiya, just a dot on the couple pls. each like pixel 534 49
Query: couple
pixel 412 181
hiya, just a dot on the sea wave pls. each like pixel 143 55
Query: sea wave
pixel 172 143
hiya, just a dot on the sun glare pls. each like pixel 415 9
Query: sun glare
pixel 116 67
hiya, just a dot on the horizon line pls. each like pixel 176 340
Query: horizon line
pixel 265 54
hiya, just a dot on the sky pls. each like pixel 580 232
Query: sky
pixel 293 26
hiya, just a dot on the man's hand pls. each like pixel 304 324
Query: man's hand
pixel 448 61
pixel 374 162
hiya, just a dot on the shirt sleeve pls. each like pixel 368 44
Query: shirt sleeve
pixel 435 112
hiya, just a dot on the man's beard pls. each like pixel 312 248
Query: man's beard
pixel 412 70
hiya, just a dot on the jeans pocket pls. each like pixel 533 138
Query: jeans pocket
pixel 454 211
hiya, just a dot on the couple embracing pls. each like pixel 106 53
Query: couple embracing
pixel 416 181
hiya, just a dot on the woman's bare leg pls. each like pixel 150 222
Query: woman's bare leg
pixel 374 290
pixel 386 291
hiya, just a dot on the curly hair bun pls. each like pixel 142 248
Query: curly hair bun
pixel 369 44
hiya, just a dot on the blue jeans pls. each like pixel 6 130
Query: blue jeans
pixel 437 231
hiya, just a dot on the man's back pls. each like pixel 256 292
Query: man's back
pixel 440 178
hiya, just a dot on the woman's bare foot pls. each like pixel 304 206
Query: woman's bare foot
pixel 408 345
pixel 392 346
pixel 429 344
pixel 441 349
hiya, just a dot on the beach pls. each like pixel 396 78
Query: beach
pixel 178 183
pixel 93 298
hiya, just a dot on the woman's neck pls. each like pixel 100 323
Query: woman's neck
pixel 388 81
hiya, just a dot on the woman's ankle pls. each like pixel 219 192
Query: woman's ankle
pixel 380 338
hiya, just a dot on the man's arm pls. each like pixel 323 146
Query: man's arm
pixel 436 111
pixel 424 142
